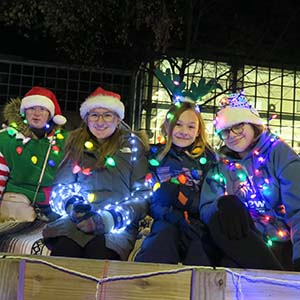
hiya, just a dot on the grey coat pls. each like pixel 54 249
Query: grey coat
pixel 123 183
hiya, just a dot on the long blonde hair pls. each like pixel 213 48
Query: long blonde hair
pixel 74 147
pixel 169 123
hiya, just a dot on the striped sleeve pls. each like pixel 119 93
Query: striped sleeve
pixel 4 172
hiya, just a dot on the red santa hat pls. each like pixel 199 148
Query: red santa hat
pixel 104 99
pixel 234 110
pixel 39 96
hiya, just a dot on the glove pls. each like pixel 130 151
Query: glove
pixel 233 217
pixel 70 202
pixel 92 224
pixel 79 211
pixel 167 194
pixel 175 217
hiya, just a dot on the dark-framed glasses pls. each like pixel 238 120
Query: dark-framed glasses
pixel 237 129
pixel 106 116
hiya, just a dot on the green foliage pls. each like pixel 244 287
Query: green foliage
pixel 86 30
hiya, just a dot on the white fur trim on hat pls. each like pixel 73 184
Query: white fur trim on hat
pixel 37 100
pixel 230 116
pixel 102 101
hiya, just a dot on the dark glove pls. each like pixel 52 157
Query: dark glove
pixel 80 211
pixel 71 201
pixel 176 217
pixel 167 194
pixel 92 224
pixel 233 217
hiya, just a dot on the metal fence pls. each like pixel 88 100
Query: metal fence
pixel 71 84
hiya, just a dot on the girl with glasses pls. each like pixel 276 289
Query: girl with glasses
pixel 251 199
pixel 100 190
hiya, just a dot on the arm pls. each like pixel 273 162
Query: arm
pixel 214 186
pixel 136 206
pixel 287 168
pixel 4 172
pixel 133 204
pixel 63 189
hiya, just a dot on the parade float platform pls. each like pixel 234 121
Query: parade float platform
pixel 44 277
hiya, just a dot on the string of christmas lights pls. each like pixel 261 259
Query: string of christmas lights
pixel 62 193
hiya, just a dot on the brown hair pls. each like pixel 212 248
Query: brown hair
pixel 169 123
pixel 74 147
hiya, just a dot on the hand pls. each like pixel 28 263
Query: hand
pixel 233 217
pixel 79 210
pixel 167 194
pixel 92 224
pixel 70 202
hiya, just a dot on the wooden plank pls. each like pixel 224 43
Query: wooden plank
pixel 41 281
pixel 42 277
pixel 9 272
pixel 208 284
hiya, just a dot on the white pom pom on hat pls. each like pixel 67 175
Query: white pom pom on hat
pixel 234 110
pixel 39 96
pixel 101 98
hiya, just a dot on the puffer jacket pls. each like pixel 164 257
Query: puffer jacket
pixel 185 171
pixel 267 180
pixel 123 185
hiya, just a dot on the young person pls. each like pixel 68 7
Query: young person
pixel 178 169
pixel 251 200
pixel 100 189
pixel 31 148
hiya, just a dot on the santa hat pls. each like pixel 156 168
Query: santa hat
pixel 39 96
pixel 234 110
pixel 104 99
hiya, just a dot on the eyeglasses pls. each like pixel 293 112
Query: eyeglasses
pixel 107 117
pixel 237 129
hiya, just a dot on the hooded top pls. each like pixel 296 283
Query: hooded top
pixel 267 181
pixel 22 155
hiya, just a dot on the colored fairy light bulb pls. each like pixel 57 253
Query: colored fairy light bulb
pixel 55 149
pixel 161 139
pixel 91 197
pixel 170 116
pixel 51 163
pixel 76 169
pixel 242 176
pixel 88 145
pixel 60 136
pixel 156 186
pixel 148 177
pixel 153 162
pixel 19 150
pixel 174 180
pixel 280 233
pixel 182 179
pixel 203 160
pixel 109 161
pixel 34 159
pixel 11 131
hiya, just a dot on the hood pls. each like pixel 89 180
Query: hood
pixel 11 114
